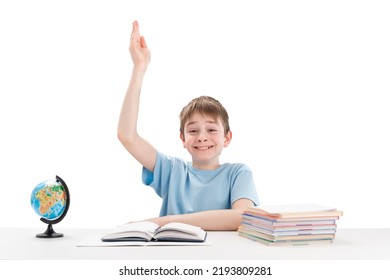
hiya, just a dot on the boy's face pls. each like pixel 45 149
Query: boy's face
pixel 204 138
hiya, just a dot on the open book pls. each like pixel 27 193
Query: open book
pixel 148 231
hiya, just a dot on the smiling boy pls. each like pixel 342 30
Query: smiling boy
pixel 203 192
pixel 204 130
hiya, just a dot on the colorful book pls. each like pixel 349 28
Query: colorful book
pixel 288 228
pixel 286 242
pixel 271 237
pixel 295 211
pixel 290 221
pixel 281 232
pixel 287 224
pixel 292 224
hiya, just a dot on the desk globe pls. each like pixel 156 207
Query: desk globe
pixel 50 200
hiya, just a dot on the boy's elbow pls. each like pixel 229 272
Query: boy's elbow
pixel 121 136
pixel 125 138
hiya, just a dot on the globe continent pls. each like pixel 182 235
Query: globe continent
pixel 48 199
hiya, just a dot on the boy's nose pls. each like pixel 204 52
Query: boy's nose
pixel 202 137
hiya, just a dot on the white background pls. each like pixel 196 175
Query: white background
pixel 306 84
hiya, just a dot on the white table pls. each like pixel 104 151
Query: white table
pixel 350 244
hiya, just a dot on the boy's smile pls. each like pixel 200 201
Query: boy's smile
pixel 204 138
pixel 203 147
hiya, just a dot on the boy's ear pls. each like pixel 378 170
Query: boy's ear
pixel 183 139
pixel 228 138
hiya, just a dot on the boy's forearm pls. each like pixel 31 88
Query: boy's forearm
pixel 227 219
pixel 127 126
pixel 138 147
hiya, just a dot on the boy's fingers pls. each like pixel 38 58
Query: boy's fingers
pixel 135 30
pixel 132 32
pixel 143 42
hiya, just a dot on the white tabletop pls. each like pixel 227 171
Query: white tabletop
pixel 349 244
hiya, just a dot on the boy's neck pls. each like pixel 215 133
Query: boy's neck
pixel 206 166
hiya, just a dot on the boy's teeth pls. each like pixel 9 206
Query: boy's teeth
pixel 203 148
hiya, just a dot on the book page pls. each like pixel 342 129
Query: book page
pixel 181 227
pixel 180 232
pixel 142 230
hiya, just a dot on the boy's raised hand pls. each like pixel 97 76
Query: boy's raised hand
pixel 139 51
pixel 138 147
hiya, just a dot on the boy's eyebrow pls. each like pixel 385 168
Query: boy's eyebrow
pixel 195 122
pixel 190 123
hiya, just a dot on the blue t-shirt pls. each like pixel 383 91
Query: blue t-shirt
pixel 185 189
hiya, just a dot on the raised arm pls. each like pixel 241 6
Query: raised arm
pixel 138 147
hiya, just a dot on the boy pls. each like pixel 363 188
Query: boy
pixel 202 193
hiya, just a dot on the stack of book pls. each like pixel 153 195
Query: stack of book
pixel 295 224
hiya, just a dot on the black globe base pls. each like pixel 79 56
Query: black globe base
pixel 49 233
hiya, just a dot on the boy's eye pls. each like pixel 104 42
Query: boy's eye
pixel 192 131
pixel 212 130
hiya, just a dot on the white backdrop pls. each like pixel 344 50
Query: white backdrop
pixel 306 85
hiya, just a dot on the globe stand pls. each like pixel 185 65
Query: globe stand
pixel 49 233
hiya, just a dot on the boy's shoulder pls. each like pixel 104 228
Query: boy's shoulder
pixel 237 167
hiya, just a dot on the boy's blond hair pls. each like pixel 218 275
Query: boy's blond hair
pixel 205 105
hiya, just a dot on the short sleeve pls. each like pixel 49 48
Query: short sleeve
pixel 243 185
pixel 147 176
pixel 160 177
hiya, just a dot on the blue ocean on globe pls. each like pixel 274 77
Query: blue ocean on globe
pixel 48 199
